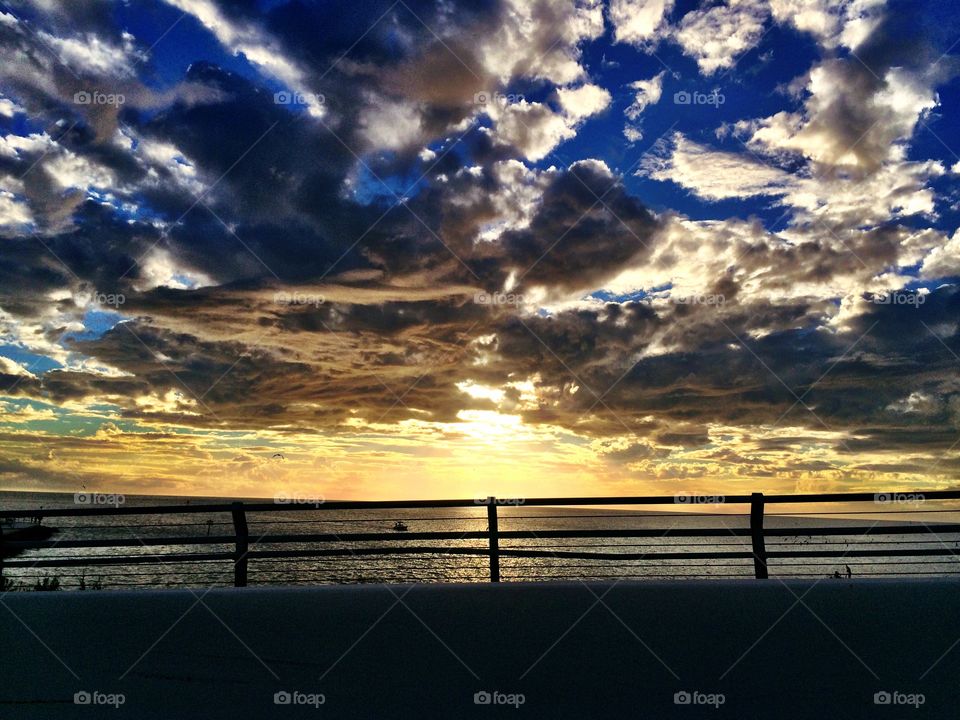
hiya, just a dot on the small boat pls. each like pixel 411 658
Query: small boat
pixel 399 526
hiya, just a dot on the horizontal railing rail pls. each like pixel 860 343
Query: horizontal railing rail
pixel 244 544
pixel 255 506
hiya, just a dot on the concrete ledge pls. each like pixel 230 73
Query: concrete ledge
pixel 424 651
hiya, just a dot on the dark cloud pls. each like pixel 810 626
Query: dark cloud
pixel 587 228
pixel 210 181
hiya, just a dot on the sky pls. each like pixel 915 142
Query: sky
pixel 377 249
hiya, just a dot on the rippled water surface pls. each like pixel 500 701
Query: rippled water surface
pixel 356 566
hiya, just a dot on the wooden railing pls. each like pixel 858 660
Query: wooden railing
pixel 245 545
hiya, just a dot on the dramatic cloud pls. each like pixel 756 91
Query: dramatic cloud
pixel 425 234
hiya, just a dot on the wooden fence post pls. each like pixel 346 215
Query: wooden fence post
pixel 243 545
pixel 494 534
pixel 756 535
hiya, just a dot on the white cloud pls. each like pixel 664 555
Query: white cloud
pixel 40 335
pixel 897 189
pixel 90 53
pixel 8 108
pixel 520 191
pixel 160 269
pixel 717 33
pixel 508 203
pixel 66 168
pixel 917 403
pixel 943 261
pixel 830 22
pixel 848 119
pixel 715 175
pixel 648 93
pixel 526 46
pixel 583 101
pixel 69 170
pixel 535 129
pixel 11 367
pixel 800 264
pixel 173 401
pixel 14 213
pixel 716 36
pixel 636 21
pixel 42 200
pixel 392 125
pixel 17 146
pixel 817 17
pixel 154 154
pixel 12 413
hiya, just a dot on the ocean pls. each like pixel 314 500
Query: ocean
pixel 359 568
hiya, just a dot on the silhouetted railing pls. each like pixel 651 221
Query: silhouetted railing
pixel 751 549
